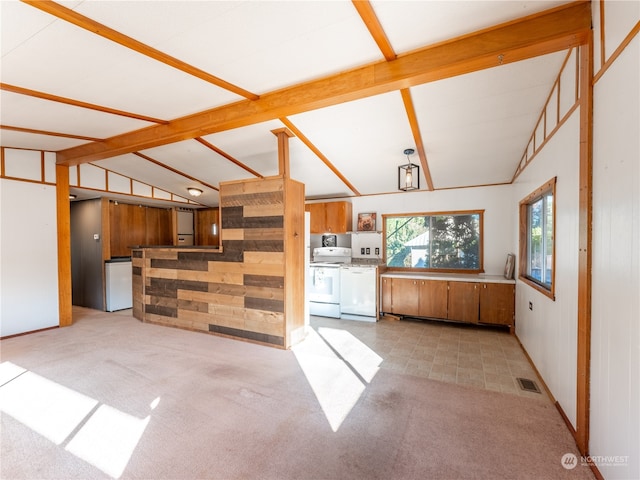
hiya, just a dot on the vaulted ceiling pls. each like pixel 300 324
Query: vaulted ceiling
pixel 187 93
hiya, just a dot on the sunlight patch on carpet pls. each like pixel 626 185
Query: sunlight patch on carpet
pixel 332 376
pixel 108 439
pixel 44 406
pixel 99 434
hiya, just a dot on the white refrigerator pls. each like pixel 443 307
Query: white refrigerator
pixel 119 285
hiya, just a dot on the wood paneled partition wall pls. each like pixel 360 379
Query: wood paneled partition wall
pixel 251 288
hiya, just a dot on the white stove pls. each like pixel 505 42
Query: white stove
pixel 324 273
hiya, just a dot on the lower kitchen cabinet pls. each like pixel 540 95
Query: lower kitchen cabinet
pixel 464 302
pixel 497 303
pixel 432 299
pixel 404 293
pixel 459 301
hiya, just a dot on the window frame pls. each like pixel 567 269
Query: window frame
pixel 524 238
pixel 480 213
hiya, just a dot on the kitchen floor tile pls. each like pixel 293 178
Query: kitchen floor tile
pixel 464 354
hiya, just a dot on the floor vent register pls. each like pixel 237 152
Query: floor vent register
pixel 528 385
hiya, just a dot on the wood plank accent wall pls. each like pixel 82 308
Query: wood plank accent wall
pixel 252 288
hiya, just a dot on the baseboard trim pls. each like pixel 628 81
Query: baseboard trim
pixel 595 471
pixel 29 332
pixel 533 365
pixel 566 419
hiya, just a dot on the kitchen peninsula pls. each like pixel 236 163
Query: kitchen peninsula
pixel 251 288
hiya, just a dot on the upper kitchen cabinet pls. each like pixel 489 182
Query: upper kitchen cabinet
pixel 208 227
pixel 131 225
pixel 330 217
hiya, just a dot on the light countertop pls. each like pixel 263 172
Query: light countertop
pixel 455 277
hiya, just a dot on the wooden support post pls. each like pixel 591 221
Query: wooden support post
pixel 283 135
pixel 64 245
pixel 585 246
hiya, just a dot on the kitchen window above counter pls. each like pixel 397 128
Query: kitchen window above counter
pixel 434 242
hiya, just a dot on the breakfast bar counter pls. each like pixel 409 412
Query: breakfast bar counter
pixel 251 288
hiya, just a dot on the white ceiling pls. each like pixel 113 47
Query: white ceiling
pixel 474 127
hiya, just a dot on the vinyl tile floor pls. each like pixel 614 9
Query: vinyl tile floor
pixel 483 357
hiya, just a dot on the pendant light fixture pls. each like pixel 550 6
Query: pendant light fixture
pixel 408 174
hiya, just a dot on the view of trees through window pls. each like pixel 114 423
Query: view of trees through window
pixel 541 239
pixel 446 241
pixel 537 233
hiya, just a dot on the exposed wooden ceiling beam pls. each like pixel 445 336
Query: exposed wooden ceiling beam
pixel 92 26
pixel 319 154
pixel 228 157
pixel 52 134
pixel 76 103
pixel 370 19
pixel 546 32
pixel 417 136
pixel 174 170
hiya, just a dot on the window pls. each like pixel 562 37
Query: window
pixel 449 241
pixel 537 238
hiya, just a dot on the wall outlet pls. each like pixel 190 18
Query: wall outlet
pixel 362 251
pixel 96 236
pixel 377 251
pixel 368 251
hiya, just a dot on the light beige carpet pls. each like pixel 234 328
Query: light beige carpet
pixel 110 397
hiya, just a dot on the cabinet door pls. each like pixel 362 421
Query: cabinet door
pixel 128 226
pixel 205 219
pixel 338 217
pixel 464 302
pixel 433 298
pixel 385 295
pixel 497 303
pixel 158 226
pixel 317 221
pixel 404 293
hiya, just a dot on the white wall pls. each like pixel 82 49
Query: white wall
pixel 615 323
pixel 28 248
pixel 549 331
pixel 498 215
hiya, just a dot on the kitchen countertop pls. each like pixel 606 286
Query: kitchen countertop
pixel 455 277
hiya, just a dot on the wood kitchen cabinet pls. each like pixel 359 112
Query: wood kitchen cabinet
pixel 158 226
pixel 330 217
pixel 413 297
pixel 432 298
pixel 205 220
pixel 404 295
pixel 386 299
pixel 137 225
pixel 497 303
pixel 399 296
pixel 464 302
pixel 459 301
